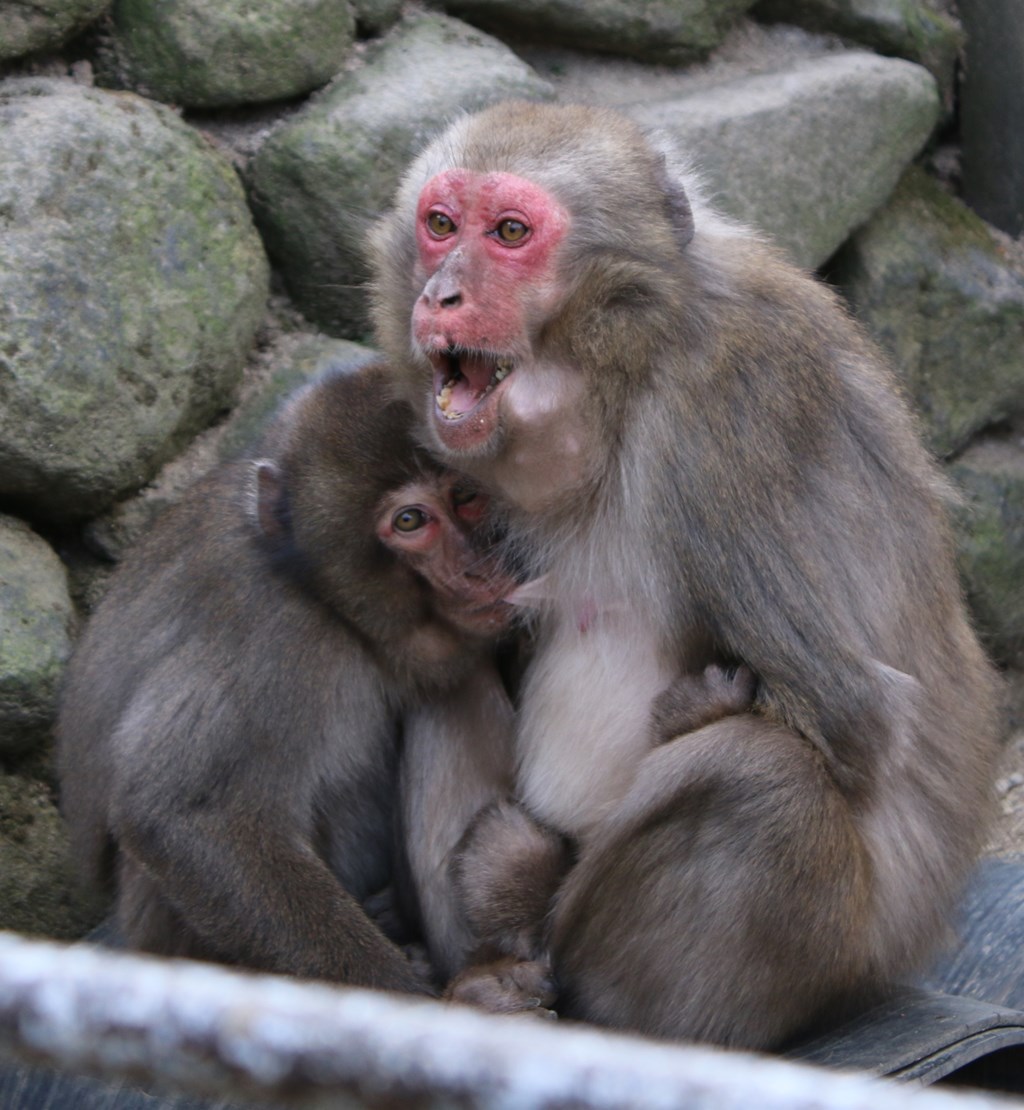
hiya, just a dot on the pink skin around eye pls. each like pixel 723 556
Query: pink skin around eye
pixel 420 539
pixel 492 277
pixel 472 512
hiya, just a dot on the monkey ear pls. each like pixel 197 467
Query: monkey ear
pixel 270 499
pixel 677 204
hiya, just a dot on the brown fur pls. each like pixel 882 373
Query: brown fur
pixel 229 724
pixel 724 469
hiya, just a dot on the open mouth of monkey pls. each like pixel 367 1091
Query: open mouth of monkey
pixel 464 379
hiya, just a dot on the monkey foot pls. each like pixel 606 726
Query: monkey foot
pixel 506 986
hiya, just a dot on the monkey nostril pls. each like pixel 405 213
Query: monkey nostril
pixel 452 301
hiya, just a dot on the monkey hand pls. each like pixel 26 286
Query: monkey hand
pixel 693 701
pixel 506 986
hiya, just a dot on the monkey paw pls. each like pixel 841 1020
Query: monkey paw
pixel 506 986
pixel 693 701
pixel 731 688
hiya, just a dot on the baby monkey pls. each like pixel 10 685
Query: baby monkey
pixel 505 872
pixel 228 736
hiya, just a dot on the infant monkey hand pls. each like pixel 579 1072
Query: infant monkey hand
pixel 693 701
pixel 506 985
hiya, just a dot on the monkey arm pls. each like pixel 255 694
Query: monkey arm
pixel 217 810
pixel 259 897
pixel 507 870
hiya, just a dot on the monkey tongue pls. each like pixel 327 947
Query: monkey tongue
pixel 467 379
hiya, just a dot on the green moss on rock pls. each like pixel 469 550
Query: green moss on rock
pixel 945 295
pixel 35 624
pixel 131 284
pixel 39 893
pixel 204 55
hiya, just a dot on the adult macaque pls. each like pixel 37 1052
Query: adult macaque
pixel 228 734
pixel 704 459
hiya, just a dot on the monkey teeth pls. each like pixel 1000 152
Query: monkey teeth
pixel 503 367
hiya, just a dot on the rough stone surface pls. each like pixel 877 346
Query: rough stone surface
pixel 992 111
pixel 208 55
pixel 945 295
pixel 318 182
pixel 991 538
pixel 281 367
pixel 657 30
pixel 920 30
pixel 807 153
pixel 291 362
pixel 38 892
pixel 35 625
pixel 374 17
pixel 585 77
pixel 43 24
pixel 131 285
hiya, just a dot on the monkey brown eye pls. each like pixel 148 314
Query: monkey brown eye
pixel 512 231
pixel 440 224
pixel 409 519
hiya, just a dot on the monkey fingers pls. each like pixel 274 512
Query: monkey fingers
pixel 506 986
pixel 693 701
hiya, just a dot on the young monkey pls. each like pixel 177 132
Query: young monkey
pixel 228 736
pixel 504 874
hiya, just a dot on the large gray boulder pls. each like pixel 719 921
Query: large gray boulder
pixel 131 285
pixel 922 31
pixel 43 24
pixel 36 617
pixel 321 179
pixel 204 55
pixel 671 31
pixel 991 538
pixel 807 153
pixel 945 295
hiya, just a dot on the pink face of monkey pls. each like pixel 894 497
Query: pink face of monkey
pixel 487 244
pixel 429 523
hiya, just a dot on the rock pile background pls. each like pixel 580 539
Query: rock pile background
pixel 185 186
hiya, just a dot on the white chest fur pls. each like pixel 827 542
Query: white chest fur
pixel 585 712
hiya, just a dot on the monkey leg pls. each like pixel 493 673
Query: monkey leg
pixel 247 890
pixel 506 871
pixel 148 920
pixel 725 901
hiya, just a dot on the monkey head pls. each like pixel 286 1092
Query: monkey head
pixel 350 507
pixel 518 240
pixel 431 524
